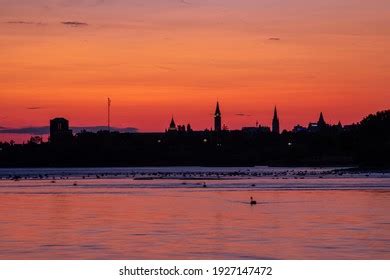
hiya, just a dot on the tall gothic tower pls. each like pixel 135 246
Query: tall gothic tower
pixel 217 119
pixel 275 123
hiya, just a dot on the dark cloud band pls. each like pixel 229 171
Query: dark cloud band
pixel 40 130
pixel 74 23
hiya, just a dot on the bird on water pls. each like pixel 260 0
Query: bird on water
pixel 253 202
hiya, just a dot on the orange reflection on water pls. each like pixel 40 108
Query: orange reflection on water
pixel 44 222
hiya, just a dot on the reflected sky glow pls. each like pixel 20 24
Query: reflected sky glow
pixel 164 219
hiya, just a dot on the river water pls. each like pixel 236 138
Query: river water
pixel 193 213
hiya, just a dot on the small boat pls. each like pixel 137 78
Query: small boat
pixel 253 202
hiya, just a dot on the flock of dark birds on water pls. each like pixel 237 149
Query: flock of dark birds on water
pixel 188 176
pixel 199 175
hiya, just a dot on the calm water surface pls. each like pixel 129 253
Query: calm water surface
pixel 315 215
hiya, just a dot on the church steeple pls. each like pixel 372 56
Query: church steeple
pixel 172 126
pixel 217 110
pixel 217 119
pixel 275 122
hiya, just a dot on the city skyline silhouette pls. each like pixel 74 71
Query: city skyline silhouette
pixel 22 134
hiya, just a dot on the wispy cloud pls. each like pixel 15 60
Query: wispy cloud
pixel 37 130
pixel 243 115
pixel 274 39
pixel 41 130
pixel 22 22
pixel 100 128
pixel 185 2
pixel 78 3
pixel 166 68
pixel 74 23
pixel 34 108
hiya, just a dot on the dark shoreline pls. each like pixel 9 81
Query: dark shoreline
pixel 335 167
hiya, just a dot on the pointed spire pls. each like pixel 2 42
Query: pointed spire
pixel 217 110
pixel 217 119
pixel 172 122
pixel 275 122
pixel 321 117
pixel 321 120
pixel 172 125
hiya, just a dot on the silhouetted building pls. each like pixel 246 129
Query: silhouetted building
pixel 298 128
pixel 313 127
pixel 256 130
pixel 365 144
pixel 172 125
pixel 181 128
pixel 319 125
pixel 275 123
pixel 217 119
pixel 350 127
pixel 59 131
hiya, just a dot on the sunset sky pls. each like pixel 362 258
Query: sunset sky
pixel 159 58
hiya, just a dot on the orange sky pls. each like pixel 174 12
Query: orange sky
pixel 164 57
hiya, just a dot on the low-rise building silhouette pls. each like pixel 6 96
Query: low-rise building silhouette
pixel 298 128
pixel 256 130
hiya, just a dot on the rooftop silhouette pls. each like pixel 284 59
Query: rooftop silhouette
pixel 365 143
